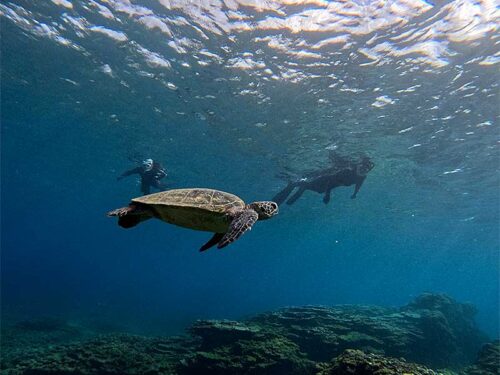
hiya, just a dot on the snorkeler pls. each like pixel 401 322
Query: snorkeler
pixel 151 173
pixel 325 180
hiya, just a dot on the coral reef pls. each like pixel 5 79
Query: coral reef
pixel 108 354
pixel 449 334
pixel 488 361
pixel 37 334
pixel 236 348
pixel 434 330
pixel 357 362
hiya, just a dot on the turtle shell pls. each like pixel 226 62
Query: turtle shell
pixel 200 209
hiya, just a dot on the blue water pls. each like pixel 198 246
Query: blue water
pixel 78 101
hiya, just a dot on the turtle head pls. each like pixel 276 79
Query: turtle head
pixel 265 209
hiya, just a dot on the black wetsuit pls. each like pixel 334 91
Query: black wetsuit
pixel 325 181
pixel 149 178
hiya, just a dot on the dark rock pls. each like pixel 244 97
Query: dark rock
pixel 214 333
pixel 110 354
pixel 323 332
pixel 358 363
pixel 449 334
pixel 433 330
pixel 239 348
pixel 488 361
pixel 37 335
pixel 266 355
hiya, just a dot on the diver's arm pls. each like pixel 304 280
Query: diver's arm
pixel 160 172
pixel 357 187
pixel 136 170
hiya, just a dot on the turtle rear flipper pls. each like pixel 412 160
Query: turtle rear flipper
pixel 130 216
pixel 241 222
pixel 129 221
pixel 122 211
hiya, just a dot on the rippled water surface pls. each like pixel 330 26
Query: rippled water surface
pixel 231 94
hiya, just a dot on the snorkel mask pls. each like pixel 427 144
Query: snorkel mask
pixel 147 164
pixel 365 166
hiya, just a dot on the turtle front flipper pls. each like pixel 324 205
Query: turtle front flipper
pixel 242 221
pixel 212 241
pixel 130 216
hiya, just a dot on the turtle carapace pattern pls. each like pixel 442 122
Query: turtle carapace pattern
pixel 224 214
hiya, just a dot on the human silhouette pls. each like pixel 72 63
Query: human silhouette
pixel 151 173
pixel 325 180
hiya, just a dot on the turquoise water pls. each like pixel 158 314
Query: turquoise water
pixel 229 95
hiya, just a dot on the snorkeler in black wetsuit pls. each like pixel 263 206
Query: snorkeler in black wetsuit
pixel 151 173
pixel 324 181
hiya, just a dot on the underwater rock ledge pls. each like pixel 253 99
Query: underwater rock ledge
pixel 357 362
pixel 488 361
pixel 432 332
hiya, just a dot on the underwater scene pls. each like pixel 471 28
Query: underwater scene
pixel 250 187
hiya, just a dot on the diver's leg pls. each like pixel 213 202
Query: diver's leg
pixel 326 197
pixel 159 185
pixel 283 194
pixel 145 187
pixel 296 196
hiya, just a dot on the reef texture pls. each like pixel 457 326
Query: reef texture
pixel 488 361
pixel 243 348
pixel 433 331
pixel 107 354
pixel 357 362
pixel 19 338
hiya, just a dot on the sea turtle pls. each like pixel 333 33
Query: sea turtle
pixel 208 210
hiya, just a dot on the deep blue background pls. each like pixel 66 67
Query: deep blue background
pixel 62 256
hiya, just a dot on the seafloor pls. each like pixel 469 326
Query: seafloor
pixel 434 334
